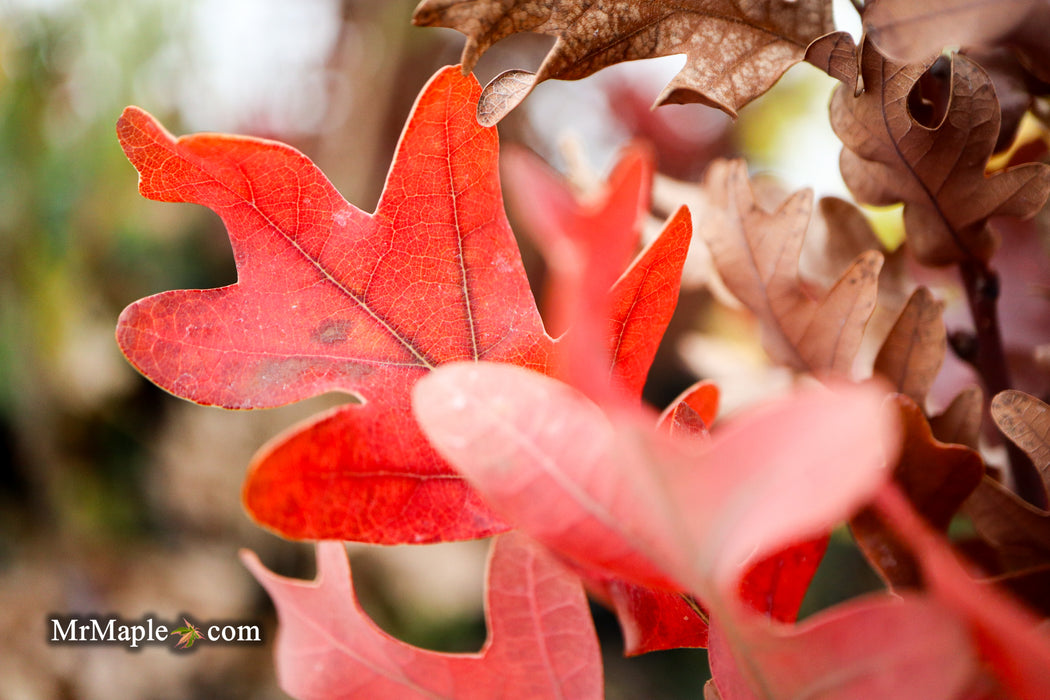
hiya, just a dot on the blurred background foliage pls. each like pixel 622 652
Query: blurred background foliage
pixel 116 498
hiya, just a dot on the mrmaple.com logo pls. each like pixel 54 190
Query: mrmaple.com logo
pixel 113 630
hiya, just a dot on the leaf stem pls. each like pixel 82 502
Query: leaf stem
pixel 989 359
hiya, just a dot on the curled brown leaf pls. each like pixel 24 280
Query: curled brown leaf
pixel 736 51
pixel 937 170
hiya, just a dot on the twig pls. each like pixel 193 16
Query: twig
pixel 989 359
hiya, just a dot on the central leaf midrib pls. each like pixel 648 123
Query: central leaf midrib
pixel 419 354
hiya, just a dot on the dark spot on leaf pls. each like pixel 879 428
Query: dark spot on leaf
pixel 331 332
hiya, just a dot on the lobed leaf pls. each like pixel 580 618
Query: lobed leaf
pixel 874 647
pixel 911 32
pixel 735 51
pixel 912 353
pixel 757 254
pixel 632 504
pixel 541 640
pixel 937 170
pixel 1018 531
pixel 936 478
pixel 330 298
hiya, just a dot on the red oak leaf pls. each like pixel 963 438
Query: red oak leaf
pixel 587 240
pixel 541 641
pixel 881 646
pixel 1013 647
pixel 632 502
pixel 330 298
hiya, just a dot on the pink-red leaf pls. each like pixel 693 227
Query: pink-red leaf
pixel 541 640
pixel 331 298
pixel 587 240
pixel 631 503
pixel 880 647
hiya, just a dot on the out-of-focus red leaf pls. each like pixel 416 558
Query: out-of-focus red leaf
pixel 1012 646
pixel 877 647
pixel 651 619
pixel 685 140
pixel 757 255
pixel 587 240
pixel 585 237
pixel 777 585
pixel 330 298
pixel 632 503
pixel 540 452
pixel 541 640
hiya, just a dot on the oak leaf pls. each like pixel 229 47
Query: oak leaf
pixel 875 647
pixel 937 478
pixel 633 502
pixel 757 253
pixel 937 170
pixel 1014 650
pixel 912 353
pixel 330 298
pixel 526 455
pixel 735 51
pixel 911 31
pixel 541 641
pixel 587 240
pixel 1019 531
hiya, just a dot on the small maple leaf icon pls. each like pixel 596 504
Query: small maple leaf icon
pixel 190 634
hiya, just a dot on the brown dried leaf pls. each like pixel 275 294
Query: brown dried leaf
pixel 503 94
pixel 836 55
pixel 1030 585
pixel 1014 87
pixel 1018 531
pixel 911 31
pixel 736 51
pixel 913 352
pixel 937 171
pixel 936 477
pixel 757 252
pixel 1026 421
pixel 849 232
pixel 961 421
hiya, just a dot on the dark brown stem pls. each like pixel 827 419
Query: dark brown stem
pixel 989 359
pixel 858 5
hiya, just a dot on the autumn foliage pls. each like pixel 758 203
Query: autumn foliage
pixel 472 419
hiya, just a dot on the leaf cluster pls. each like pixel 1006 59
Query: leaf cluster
pixel 473 418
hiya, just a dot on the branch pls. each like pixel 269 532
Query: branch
pixel 987 356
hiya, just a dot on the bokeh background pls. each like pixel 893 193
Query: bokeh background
pixel 116 498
